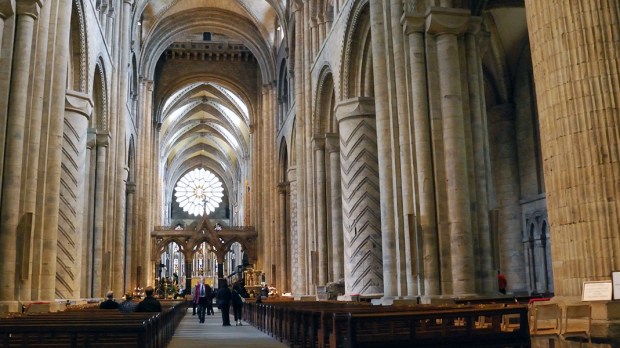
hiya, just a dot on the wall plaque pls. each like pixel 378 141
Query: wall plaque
pixel 597 291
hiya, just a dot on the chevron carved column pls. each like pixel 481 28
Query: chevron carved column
pixel 78 109
pixel 360 197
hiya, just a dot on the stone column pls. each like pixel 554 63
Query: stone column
pixel 387 147
pixel 282 244
pixel 30 281
pixel 506 174
pixel 425 187
pixel 447 24
pixel 130 269
pixel 88 223
pixel 54 149
pixel 103 140
pixel 27 12
pixel 78 109
pixel 577 88
pixel 321 215
pixel 298 186
pixel 333 148
pixel 294 246
pixel 406 229
pixel 360 197
pixel 7 9
pixel 486 273
pixel 145 253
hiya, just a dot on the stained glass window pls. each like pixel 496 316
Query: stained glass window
pixel 199 192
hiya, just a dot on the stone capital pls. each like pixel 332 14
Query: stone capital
pixel 318 142
pixel 7 8
pixel 130 187
pixel 79 103
pixel 128 2
pixel 441 20
pixel 332 142
pixel 413 24
pixel 91 138
pixel 103 139
pixel 29 8
pixel 355 107
pixel 475 25
pixel 283 187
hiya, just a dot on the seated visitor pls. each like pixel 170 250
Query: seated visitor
pixel 109 303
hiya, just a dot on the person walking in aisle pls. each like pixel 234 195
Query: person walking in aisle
pixel 202 294
pixel 223 302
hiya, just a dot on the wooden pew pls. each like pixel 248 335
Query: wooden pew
pixel 436 328
pixel 92 327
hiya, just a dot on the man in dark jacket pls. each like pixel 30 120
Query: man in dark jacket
pixel 149 304
pixel 223 302
pixel 109 303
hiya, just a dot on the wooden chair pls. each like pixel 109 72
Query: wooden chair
pixel 547 320
pixel 577 321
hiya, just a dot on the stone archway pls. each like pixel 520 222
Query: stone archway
pixel 188 240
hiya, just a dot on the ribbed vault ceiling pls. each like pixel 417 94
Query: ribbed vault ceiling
pixel 206 124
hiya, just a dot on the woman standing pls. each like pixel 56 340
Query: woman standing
pixel 239 294
pixel 223 302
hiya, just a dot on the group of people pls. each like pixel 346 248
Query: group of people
pixel 148 304
pixel 203 301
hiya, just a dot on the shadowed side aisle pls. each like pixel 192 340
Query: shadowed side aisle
pixel 191 334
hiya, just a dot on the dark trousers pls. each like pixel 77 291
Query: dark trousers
pixel 237 311
pixel 202 306
pixel 225 308
pixel 210 307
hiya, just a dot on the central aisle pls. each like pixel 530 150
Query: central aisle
pixel 191 334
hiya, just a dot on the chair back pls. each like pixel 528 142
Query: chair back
pixel 577 321
pixel 547 319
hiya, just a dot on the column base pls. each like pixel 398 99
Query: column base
pixel 305 298
pixel 10 307
pixel 437 299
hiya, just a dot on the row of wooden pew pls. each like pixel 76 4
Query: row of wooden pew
pixel 336 324
pixel 93 327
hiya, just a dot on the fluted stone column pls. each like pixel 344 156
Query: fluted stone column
pixel 27 12
pixel 321 211
pixel 78 109
pixel 446 24
pixel 577 88
pixel 332 145
pixel 103 141
pixel 360 197
pixel 425 187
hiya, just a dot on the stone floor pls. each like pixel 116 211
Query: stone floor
pixel 191 334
